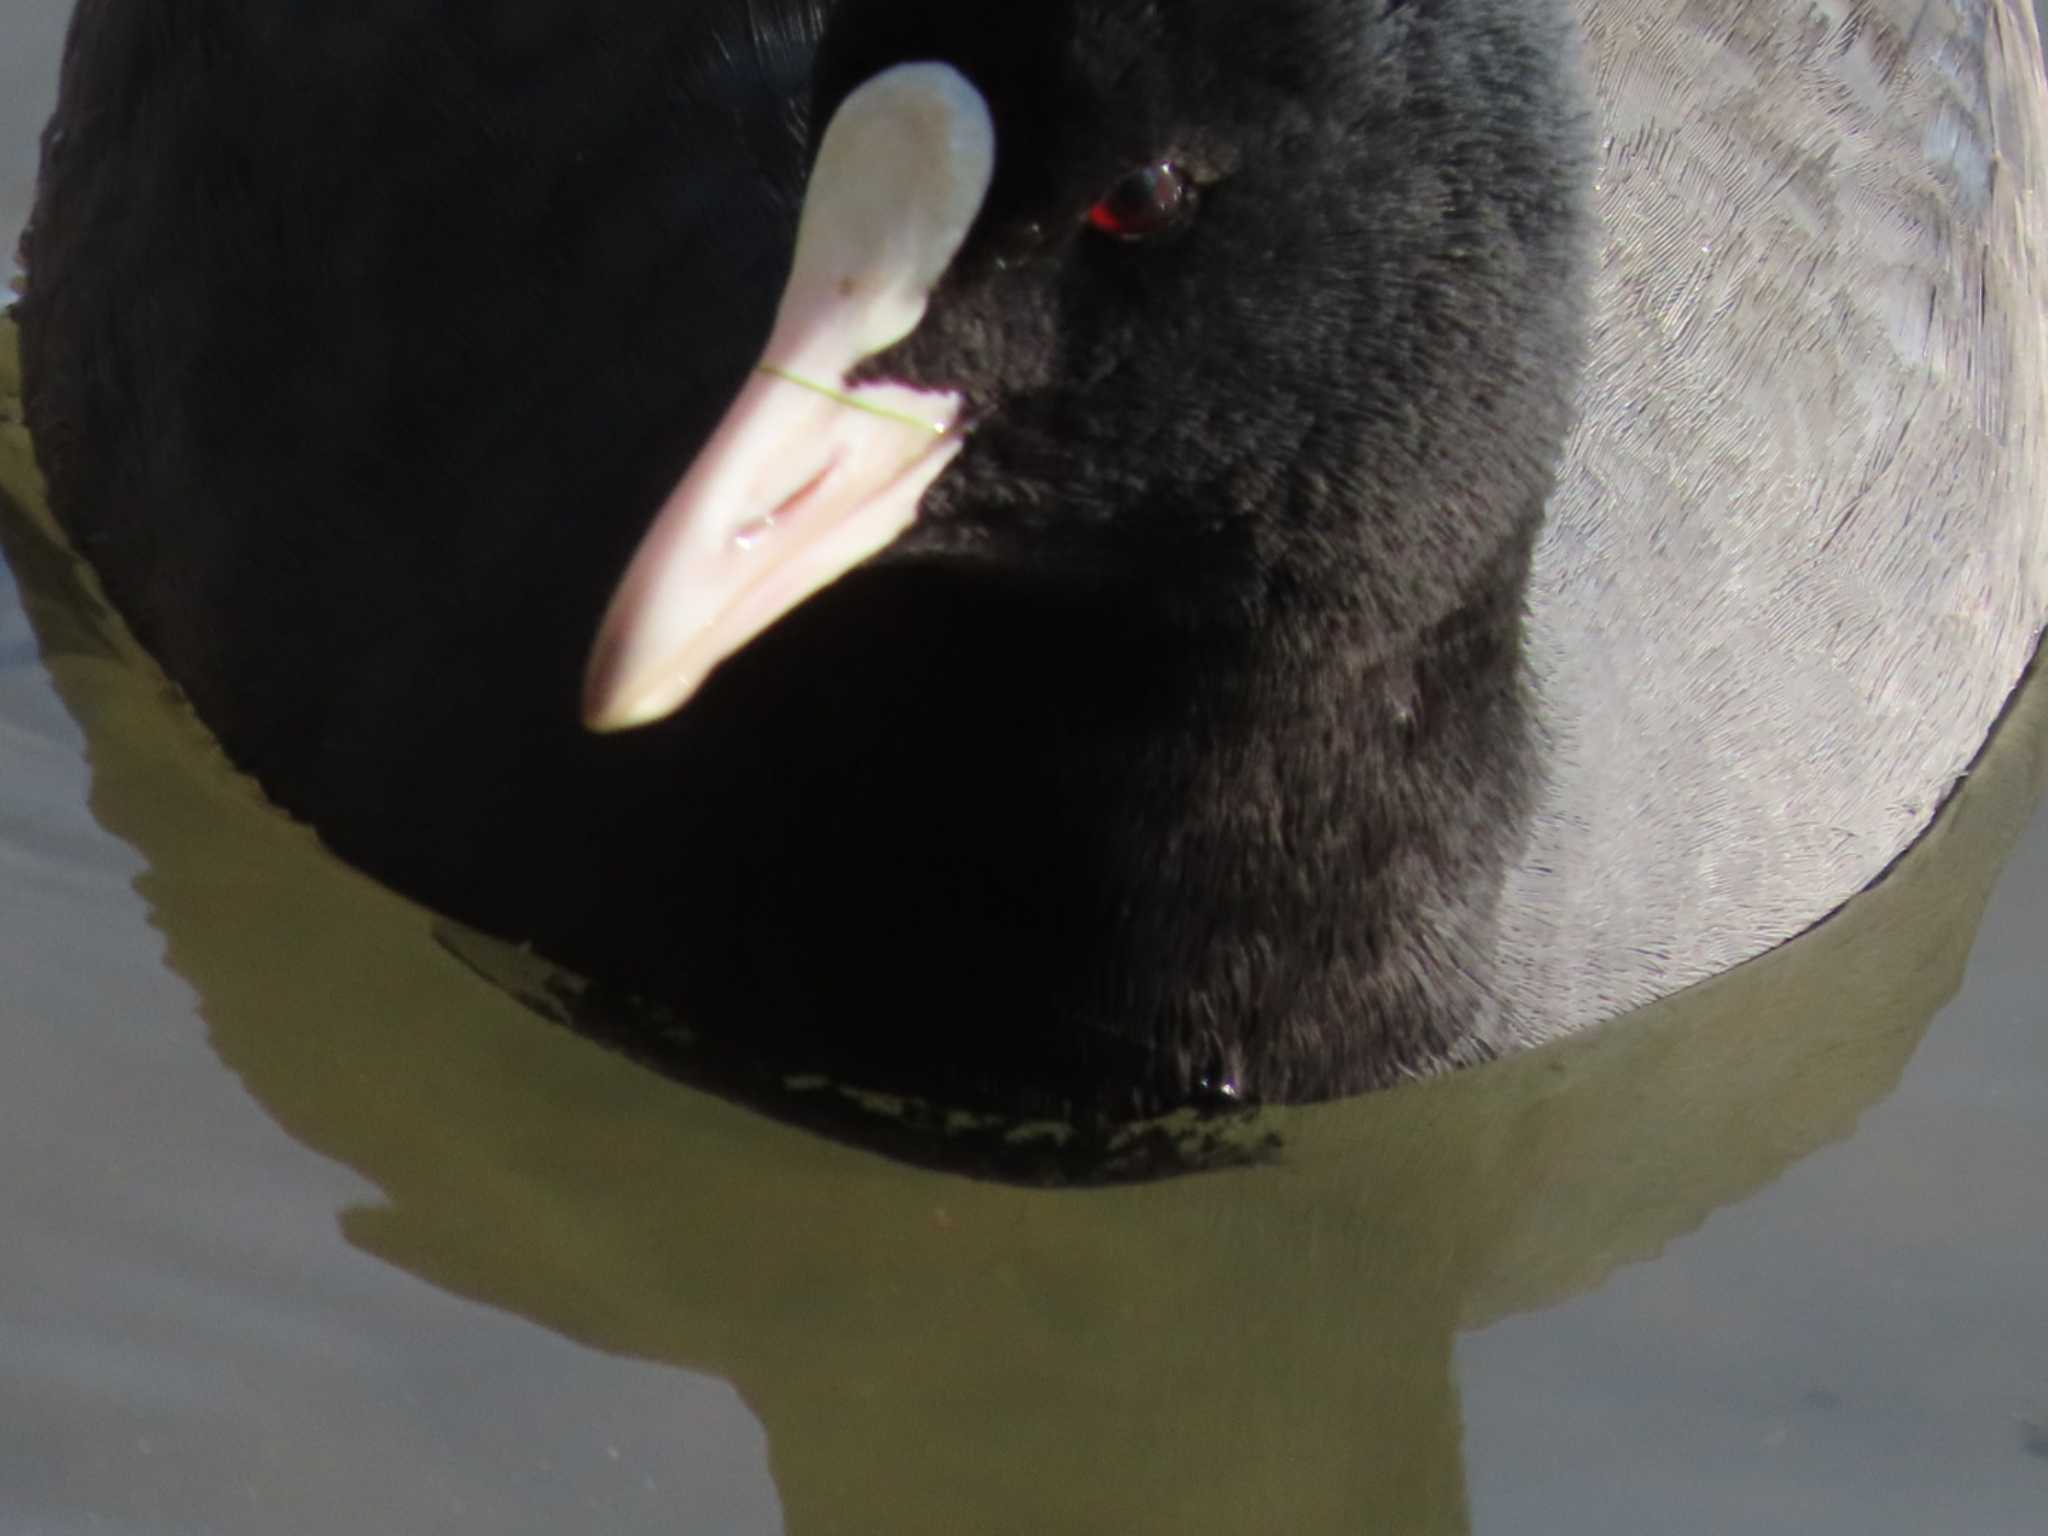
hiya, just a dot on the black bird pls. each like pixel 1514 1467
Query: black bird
pixel 1158 609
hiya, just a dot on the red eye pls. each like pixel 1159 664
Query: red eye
pixel 1149 201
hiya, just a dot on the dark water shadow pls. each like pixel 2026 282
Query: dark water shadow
pixel 813 1095
pixel 1266 1348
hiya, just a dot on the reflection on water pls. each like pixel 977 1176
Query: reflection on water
pixel 1272 1348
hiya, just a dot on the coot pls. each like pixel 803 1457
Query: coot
pixel 1158 608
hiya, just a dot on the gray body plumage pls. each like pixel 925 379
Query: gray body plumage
pixel 1798 557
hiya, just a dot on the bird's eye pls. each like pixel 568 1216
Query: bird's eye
pixel 1148 201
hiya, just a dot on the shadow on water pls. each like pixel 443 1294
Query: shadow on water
pixel 1262 1348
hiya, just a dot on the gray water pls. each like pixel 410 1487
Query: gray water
pixel 310 1229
